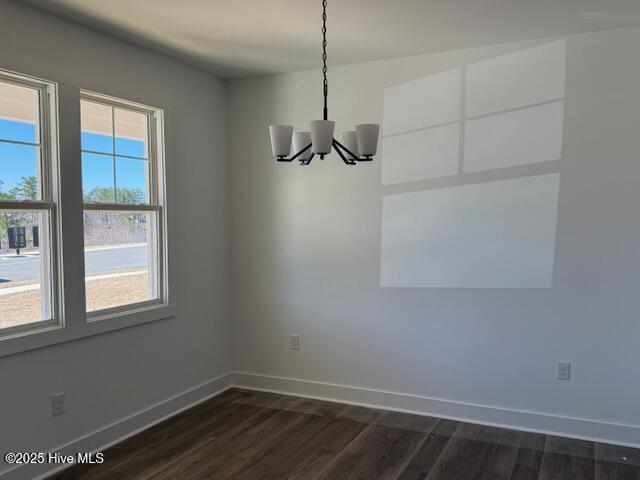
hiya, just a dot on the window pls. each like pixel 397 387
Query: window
pixel 123 205
pixel 28 205
pixel 82 190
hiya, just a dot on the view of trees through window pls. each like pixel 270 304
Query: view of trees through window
pixel 121 210
pixel 120 245
pixel 110 229
pixel 26 189
pixel 26 208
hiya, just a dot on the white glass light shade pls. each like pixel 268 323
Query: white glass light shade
pixel 351 142
pixel 322 136
pixel 367 135
pixel 301 140
pixel 281 139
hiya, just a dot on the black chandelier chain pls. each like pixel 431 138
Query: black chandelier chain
pixel 306 154
pixel 325 84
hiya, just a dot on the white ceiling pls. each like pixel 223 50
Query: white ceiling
pixel 235 38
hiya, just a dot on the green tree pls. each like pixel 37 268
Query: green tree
pixel 4 218
pixel 26 189
pixel 4 195
pixel 106 195
pixel 99 195
pixel 102 228
pixel 129 195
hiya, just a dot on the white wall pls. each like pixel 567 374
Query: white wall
pixel 111 376
pixel 307 242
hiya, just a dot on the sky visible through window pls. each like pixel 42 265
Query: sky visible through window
pixel 97 170
pixel 16 161
pixel 19 161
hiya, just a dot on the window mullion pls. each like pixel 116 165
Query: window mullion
pixel 18 142
pixel 120 155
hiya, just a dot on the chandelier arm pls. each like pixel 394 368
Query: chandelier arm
pixel 308 160
pixel 354 157
pixel 337 146
pixel 299 153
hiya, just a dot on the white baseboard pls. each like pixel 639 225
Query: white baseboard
pixel 100 439
pixel 580 428
pixel 116 432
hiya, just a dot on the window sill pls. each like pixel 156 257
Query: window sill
pixel 114 320
pixel 52 335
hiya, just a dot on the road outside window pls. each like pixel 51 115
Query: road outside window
pixel 27 280
pixel 122 205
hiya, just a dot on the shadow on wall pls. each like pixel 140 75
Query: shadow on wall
pixel 471 171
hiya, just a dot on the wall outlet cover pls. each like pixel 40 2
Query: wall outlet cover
pixel 58 404
pixel 564 371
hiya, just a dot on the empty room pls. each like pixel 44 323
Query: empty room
pixel 320 239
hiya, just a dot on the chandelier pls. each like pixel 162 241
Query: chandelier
pixel 360 145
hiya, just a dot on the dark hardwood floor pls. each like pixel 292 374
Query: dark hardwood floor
pixel 251 435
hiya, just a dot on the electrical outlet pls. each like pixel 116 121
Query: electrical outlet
pixel 294 342
pixel 58 404
pixel 564 371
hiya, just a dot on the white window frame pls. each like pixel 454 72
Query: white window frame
pixel 157 234
pixel 48 186
pixel 64 198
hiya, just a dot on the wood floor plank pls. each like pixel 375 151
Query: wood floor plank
pixel 616 463
pixel 378 452
pixel 407 421
pixel 566 458
pixel 273 460
pixel 258 399
pixel 310 406
pixel 616 471
pixel 223 456
pixel 617 454
pixel 325 447
pixel 176 425
pixel 529 457
pixel 308 448
pixel 430 451
pixel 246 435
pixel 478 452
pixel 161 443
pixel 182 445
